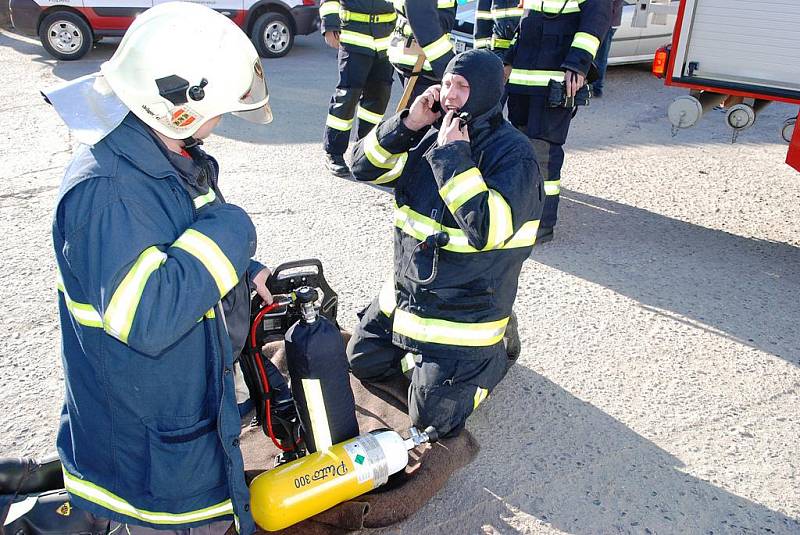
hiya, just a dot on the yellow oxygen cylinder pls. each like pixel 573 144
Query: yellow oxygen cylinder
pixel 302 488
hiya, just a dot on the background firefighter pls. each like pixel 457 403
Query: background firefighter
pixel 495 24
pixel 422 26
pixel 360 30
pixel 556 40
pixel 152 261
pixel 468 200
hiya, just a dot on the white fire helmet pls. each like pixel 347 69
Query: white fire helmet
pixel 181 64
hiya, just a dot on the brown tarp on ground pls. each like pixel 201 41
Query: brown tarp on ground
pixel 378 406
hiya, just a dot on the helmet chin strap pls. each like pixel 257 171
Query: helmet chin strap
pixel 190 142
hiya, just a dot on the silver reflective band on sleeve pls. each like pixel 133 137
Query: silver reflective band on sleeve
pixel 83 313
pixel 329 8
pixel 342 125
pixel 437 331
pixel 211 256
pixel 203 200
pixel 483 15
pixel 104 498
pixel 462 188
pixel 552 187
pixel 501 224
pixel 480 395
pixel 317 413
pixel 121 311
pixel 386 299
pixel 534 77
pixel 407 362
pixel 438 48
pixel 483 42
pixel 587 42
pixel 366 115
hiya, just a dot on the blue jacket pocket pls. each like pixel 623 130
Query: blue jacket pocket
pixel 185 460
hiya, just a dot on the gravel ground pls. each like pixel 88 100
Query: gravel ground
pixel 658 387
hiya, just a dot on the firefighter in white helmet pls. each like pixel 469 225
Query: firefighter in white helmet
pixel 155 271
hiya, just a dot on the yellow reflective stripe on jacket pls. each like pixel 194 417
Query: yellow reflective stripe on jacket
pixel 455 333
pixel 104 498
pixel 462 188
pixel 483 42
pixel 83 313
pixel 420 227
pixel 397 56
pixel 386 299
pixel 445 4
pixel 535 77
pixel 365 115
pixel 119 315
pixel 553 6
pixel 501 225
pixel 587 42
pixel 317 413
pixel 377 155
pixel 383 159
pixel 480 395
pixel 211 256
pixel 525 236
pixel 329 8
pixel 438 48
pixel 203 200
pixel 338 124
pixel 500 43
pixel 210 315
pixel 354 38
pixel 483 15
pixel 507 13
pixel 355 16
pixel 363 40
pixel 552 187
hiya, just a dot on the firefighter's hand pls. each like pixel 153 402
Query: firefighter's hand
pixel 506 73
pixel 332 38
pixel 452 130
pixel 260 282
pixel 421 113
pixel 574 81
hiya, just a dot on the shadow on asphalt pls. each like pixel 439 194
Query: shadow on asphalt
pixel 588 473
pixel 743 288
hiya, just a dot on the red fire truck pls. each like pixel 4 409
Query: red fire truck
pixel 741 54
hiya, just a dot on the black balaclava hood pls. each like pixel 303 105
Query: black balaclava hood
pixel 484 72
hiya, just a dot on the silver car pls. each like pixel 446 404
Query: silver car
pixel 630 45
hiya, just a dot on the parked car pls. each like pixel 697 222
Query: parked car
pixel 69 28
pixel 630 45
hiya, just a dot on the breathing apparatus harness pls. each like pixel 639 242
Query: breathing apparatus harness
pixel 275 408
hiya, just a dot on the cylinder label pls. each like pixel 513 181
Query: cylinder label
pixel 361 463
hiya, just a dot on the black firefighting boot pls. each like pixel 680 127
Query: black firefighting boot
pixel 336 165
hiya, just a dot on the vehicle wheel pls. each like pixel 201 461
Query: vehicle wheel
pixel 273 36
pixel 65 35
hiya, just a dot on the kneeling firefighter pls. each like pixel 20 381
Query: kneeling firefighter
pixel 154 276
pixel 468 200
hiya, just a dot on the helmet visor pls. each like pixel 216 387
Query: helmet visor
pixel 255 102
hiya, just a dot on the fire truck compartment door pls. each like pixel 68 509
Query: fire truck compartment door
pixel 741 42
